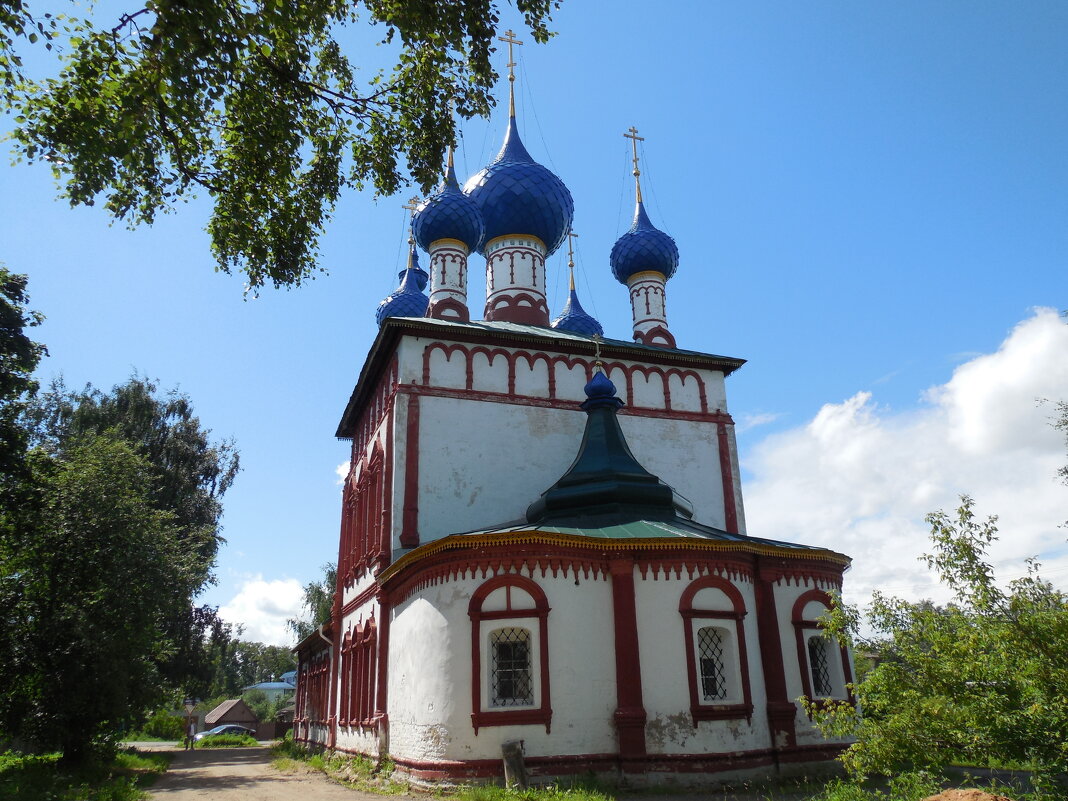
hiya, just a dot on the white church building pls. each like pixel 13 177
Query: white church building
pixel 543 536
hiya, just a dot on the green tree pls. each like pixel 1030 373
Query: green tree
pixel 318 606
pixel 91 576
pixel 261 105
pixel 983 679
pixel 19 356
pixel 239 664
pixel 190 472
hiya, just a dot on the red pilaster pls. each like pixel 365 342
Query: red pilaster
pixel 409 537
pixel 726 472
pixel 630 713
pixel 781 710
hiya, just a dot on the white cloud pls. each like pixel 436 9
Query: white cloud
pixel 342 471
pixel 750 421
pixel 860 478
pixel 262 607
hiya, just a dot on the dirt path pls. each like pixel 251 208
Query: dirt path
pixel 244 774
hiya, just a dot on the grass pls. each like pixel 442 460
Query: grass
pixel 357 772
pixel 36 778
pixel 226 741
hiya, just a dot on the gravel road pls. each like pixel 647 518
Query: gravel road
pixel 244 774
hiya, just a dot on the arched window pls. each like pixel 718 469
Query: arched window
pixel 824 665
pixel 509 653
pixel 717 666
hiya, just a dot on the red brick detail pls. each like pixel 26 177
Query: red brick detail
pixel 726 472
pixel 612 368
pixel 543 713
pixel 702 763
pixel 409 537
pixel 630 716
pixel 448 309
pixel 522 308
pixel 652 335
pixel 781 710
pixel 381 699
pixel 700 710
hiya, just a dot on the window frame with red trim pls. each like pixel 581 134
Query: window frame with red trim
pixel 741 705
pixel 535 620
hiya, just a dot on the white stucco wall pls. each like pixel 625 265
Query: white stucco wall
pixel 484 463
pixel 430 674
pixel 665 688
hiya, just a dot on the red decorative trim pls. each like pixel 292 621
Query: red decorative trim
pixel 365 595
pixel 509 717
pixel 382 696
pixel 448 309
pixel 781 710
pixel 700 710
pixel 630 715
pixel 651 335
pixel 730 508
pixel 409 537
pixel 522 308
pixel 437 770
pixel 512 357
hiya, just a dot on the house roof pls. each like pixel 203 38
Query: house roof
pixel 233 707
pixel 270 685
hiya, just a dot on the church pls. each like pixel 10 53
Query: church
pixel 543 537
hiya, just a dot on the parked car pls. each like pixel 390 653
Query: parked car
pixel 228 728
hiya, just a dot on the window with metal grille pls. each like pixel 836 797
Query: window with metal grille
pixel 510 680
pixel 713 675
pixel 817 660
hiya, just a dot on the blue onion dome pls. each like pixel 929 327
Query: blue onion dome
pixel 516 195
pixel 449 214
pixel 575 319
pixel 643 247
pixel 407 300
pixel 600 391
pixel 421 276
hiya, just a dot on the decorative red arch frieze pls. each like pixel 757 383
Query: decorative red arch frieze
pixel 358 675
pixel 698 709
pixel 657 336
pixel 539 612
pixel 512 357
pixel 803 624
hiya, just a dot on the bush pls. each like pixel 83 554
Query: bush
pixel 166 726
pixel 226 741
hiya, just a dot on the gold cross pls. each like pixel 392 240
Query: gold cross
pixel 597 363
pixel 632 135
pixel 412 205
pixel 509 36
pixel 571 235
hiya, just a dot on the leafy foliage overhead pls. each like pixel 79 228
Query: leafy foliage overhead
pixel 19 356
pixel 260 104
pixel 318 605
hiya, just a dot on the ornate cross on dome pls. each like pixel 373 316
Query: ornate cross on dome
pixel 597 363
pixel 509 36
pixel 571 236
pixel 632 135
pixel 412 205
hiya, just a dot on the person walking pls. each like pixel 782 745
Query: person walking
pixel 190 730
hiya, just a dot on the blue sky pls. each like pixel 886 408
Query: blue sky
pixel 870 203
